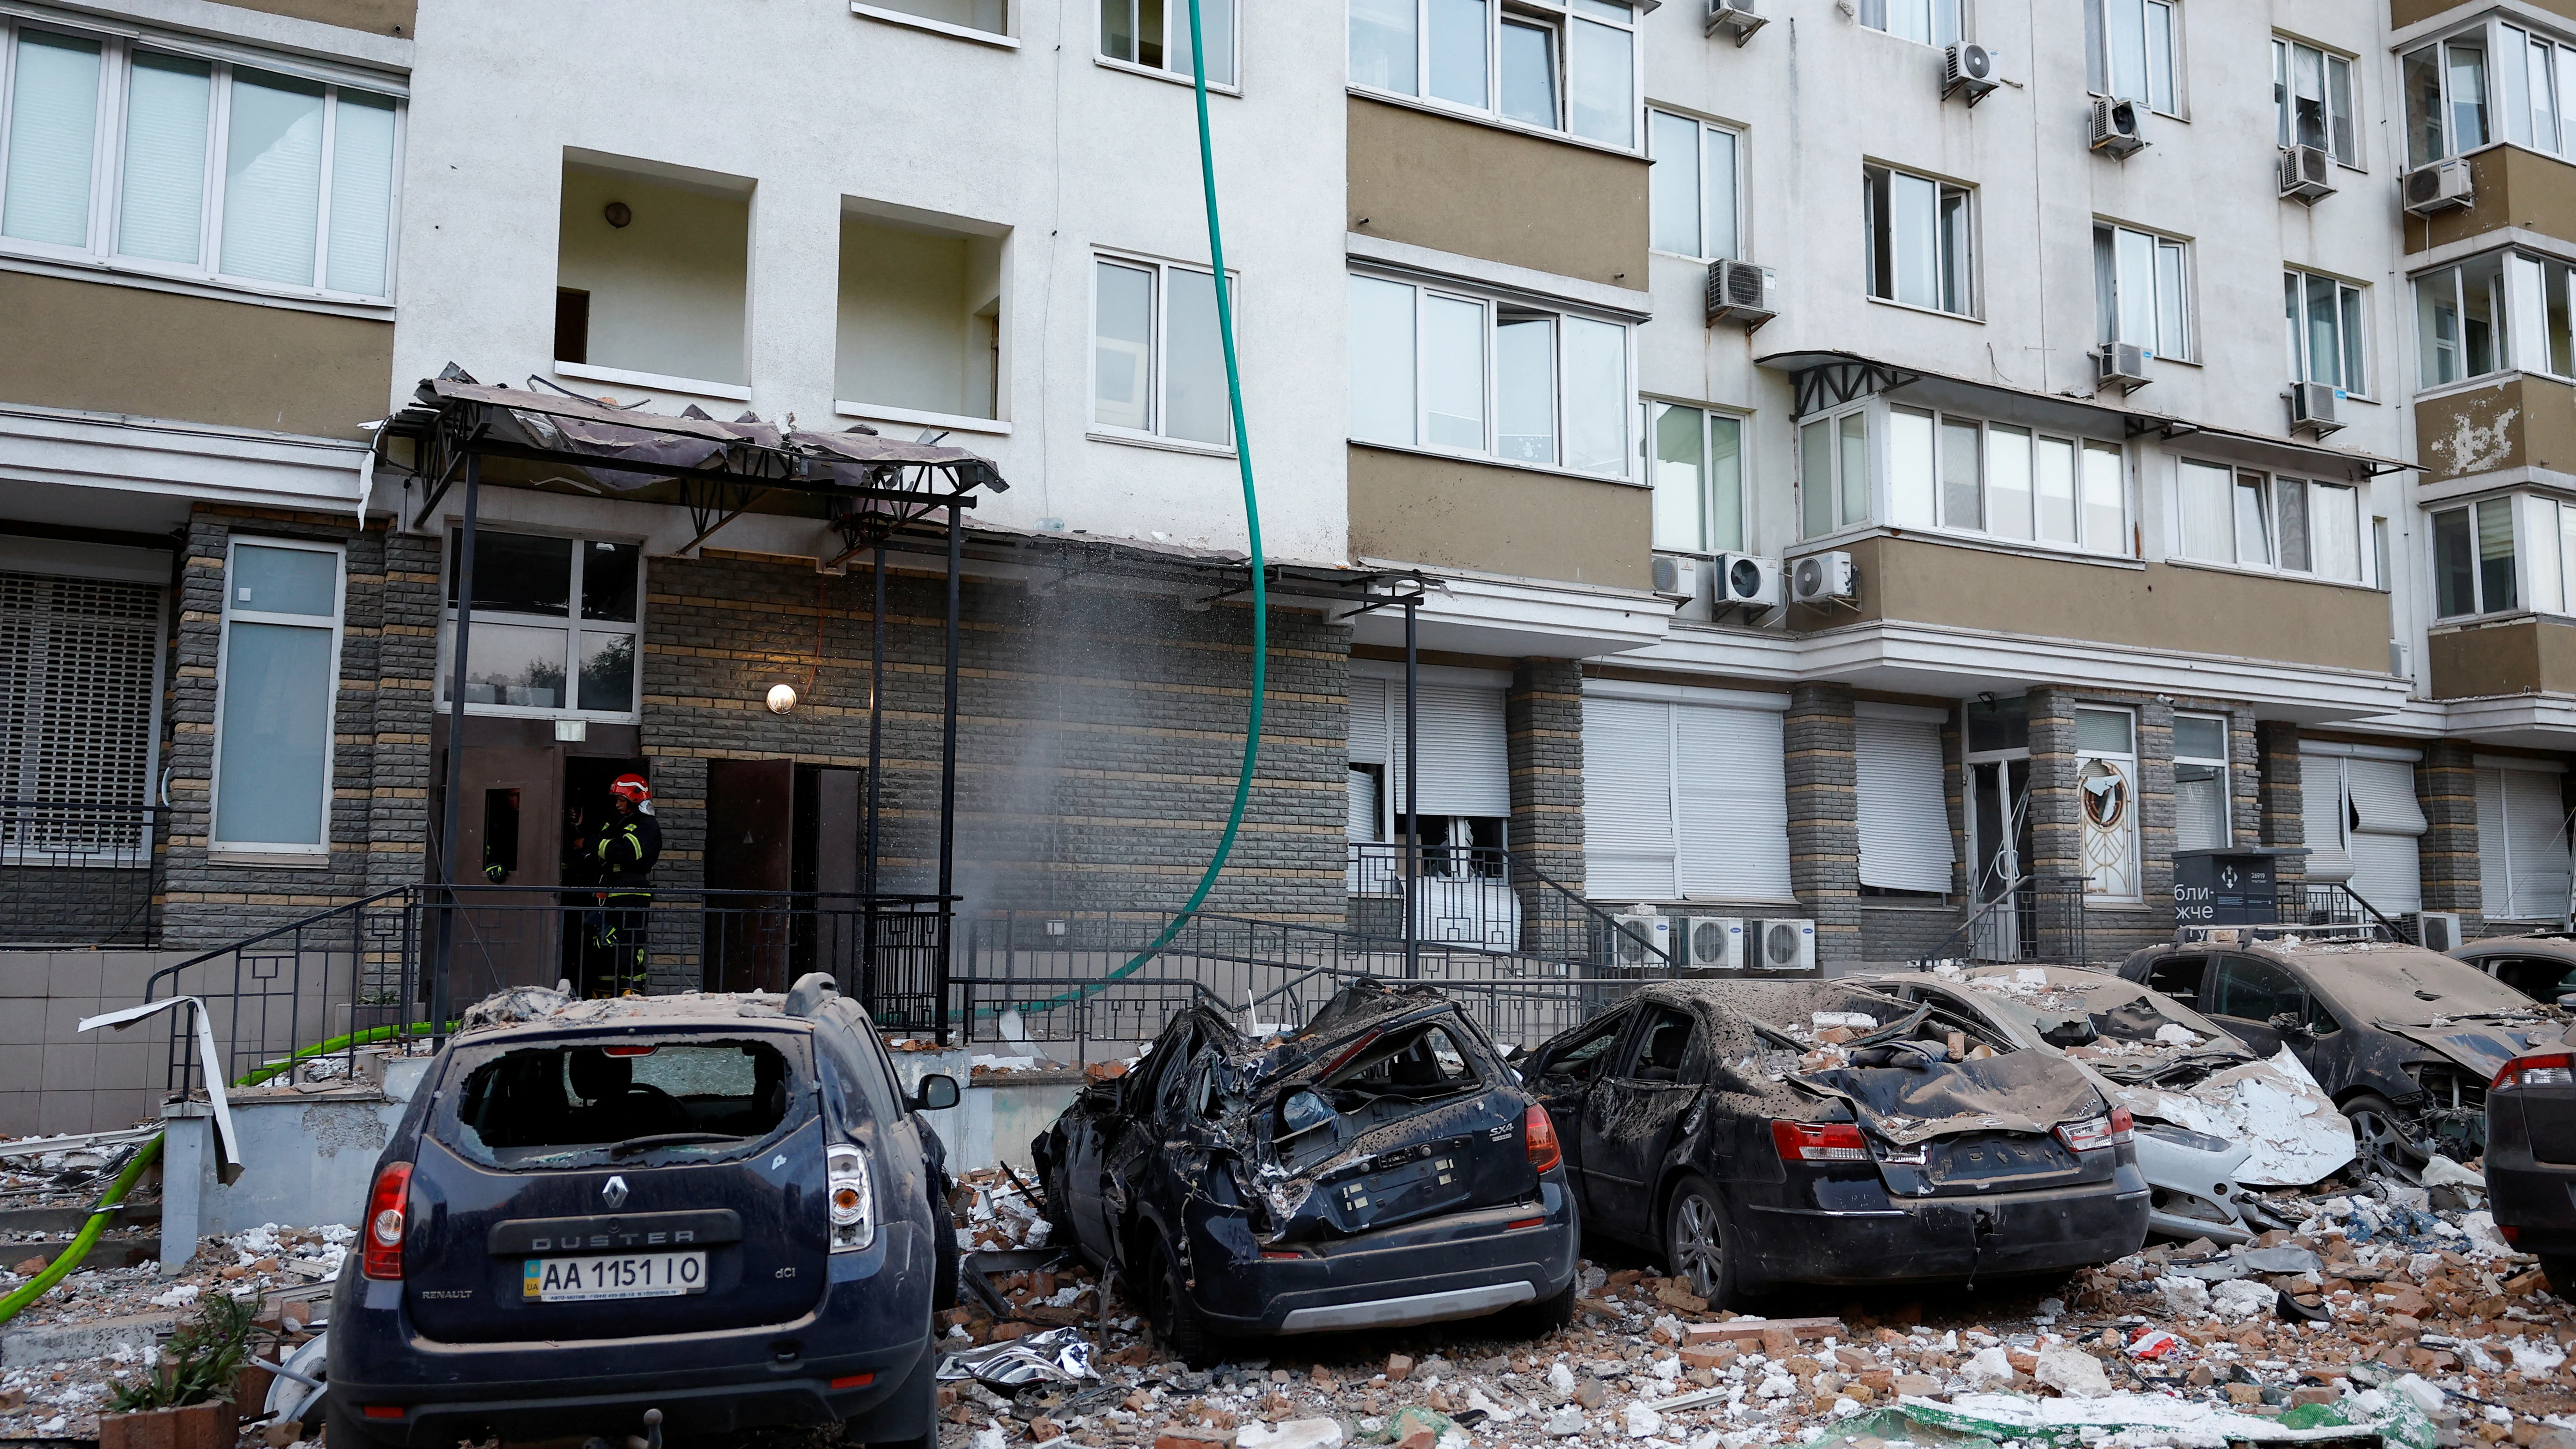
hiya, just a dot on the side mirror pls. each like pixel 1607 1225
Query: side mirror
pixel 937 1093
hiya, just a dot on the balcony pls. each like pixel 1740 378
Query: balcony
pixel 2512 420
pixel 2524 655
pixel 2514 188
pixel 1468 514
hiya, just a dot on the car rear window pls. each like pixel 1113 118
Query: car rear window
pixel 564 1103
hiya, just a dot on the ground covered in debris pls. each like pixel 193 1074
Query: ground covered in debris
pixel 2387 1307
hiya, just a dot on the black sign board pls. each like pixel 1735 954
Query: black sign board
pixel 2226 888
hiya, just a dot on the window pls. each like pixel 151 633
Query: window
pixel 2262 521
pixel 2540 574
pixel 2523 868
pixel 2312 100
pixel 1833 473
pixel 920 320
pixel 1466 374
pixel 2473 565
pixel 2460 321
pixel 2325 336
pixel 149 160
pixel 1698 478
pixel 1918 240
pixel 2200 783
pixel 1685 798
pixel 80 714
pixel 2106 785
pixel 1158 359
pixel 2447 99
pixel 1969 475
pixel 2140 290
pixel 531 654
pixel 2130 51
pixel 2257 991
pixel 1695 192
pixel 989 16
pixel 1903 817
pixel 276 690
pixel 1155 34
pixel 1553 65
pixel 1932 22
pixel 665 276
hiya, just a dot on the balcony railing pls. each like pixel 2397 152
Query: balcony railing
pixel 1485 898
pixel 75 874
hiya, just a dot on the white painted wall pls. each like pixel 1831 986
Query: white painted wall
pixel 667 289
pixel 909 328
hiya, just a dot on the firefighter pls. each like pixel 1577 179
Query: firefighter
pixel 627 845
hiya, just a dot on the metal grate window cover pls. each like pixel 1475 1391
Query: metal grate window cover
pixel 78 687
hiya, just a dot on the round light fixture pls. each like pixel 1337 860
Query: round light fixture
pixel 617 213
pixel 782 698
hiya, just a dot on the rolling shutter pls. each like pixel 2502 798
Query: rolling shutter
pixel 2523 866
pixel 1627 799
pixel 1733 834
pixel 1368 721
pixel 1466 765
pixel 78 689
pixel 1904 819
pixel 2385 823
pixel 2321 808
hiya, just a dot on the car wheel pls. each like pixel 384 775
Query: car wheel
pixel 1177 1322
pixel 1546 1316
pixel 2379 1133
pixel 1697 1244
pixel 2560 1270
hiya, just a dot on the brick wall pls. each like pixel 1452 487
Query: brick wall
pixel 1543 727
pixel 1824 828
pixel 2281 801
pixel 2446 785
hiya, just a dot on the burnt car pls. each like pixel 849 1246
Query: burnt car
pixel 2213 1118
pixel 2531 1156
pixel 1761 1133
pixel 717 1206
pixel 2403 1039
pixel 2541 966
pixel 1380 1167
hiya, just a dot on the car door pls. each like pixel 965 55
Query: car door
pixel 1563 1071
pixel 1131 1165
pixel 2245 994
pixel 1630 1113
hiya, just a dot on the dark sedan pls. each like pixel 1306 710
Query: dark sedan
pixel 1381 1167
pixel 2531 1156
pixel 1760 1133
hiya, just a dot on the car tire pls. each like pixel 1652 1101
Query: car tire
pixel 2560 1270
pixel 1546 1316
pixel 2376 1128
pixel 1178 1325
pixel 1698 1242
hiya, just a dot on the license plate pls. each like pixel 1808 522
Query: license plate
pixel 629 1275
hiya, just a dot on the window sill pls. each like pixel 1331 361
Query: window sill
pixel 958 422
pixel 659 382
pixel 1159 443
pixel 1483 118
pixel 1190 83
pixel 1486 460
pixel 936 27
pixel 93 270
pixel 2289 575
pixel 223 855
pixel 2173 116
pixel 1926 311
pixel 530 711
pixel 2484 380
pixel 2021 548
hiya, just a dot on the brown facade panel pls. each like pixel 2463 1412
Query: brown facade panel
pixel 2514 188
pixel 384 17
pixel 2516 421
pixel 2185 610
pixel 1484 191
pixel 98 347
pixel 2402 13
pixel 2524 656
pixel 1453 513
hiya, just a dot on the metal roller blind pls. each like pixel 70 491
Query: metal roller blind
pixel 2386 872
pixel 1734 802
pixel 1627 799
pixel 79 691
pixel 2383 797
pixel 2385 820
pixel 2321 809
pixel 2523 867
pixel 1466 762
pixel 1904 819
pixel 1368 722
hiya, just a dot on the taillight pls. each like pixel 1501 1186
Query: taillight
pixel 2555 1070
pixel 2093 1134
pixel 388 1207
pixel 2124 1128
pixel 1819 1142
pixel 1538 1139
pixel 852 1196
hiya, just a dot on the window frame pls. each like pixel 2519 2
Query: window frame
pixel 2352 314
pixel 2501 330
pixel 2108 289
pixel 1884 510
pixel 225 620
pixel 108 135
pixel 1737 136
pixel 2100 68
pixel 1560 14
pixel 1939 12
pixel 570 623
pixel 1709 512
pixel 1175 17
pixel 2473 511
pixel 2225 767
pixel 2497 103
pixel 2275 489
pixel 1950 270
pixel 1158 401
pixel 2129 824
pixel 2285 51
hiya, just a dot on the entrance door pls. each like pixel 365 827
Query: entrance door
pixel 508 864
pixel 1999 841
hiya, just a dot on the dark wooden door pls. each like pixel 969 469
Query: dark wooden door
pixel 751 868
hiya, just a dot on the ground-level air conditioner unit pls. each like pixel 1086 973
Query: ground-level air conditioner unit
pixel 1736 16
pixel 1781 945
pixel 2442 186
pixel 1713 943
pixel 2114 130
pixel 2437 930
pixel 2312 408
pixel 2122 365
pixel 1633 933
pixel 1740 292
pixel 1746 580
pixel 2307 173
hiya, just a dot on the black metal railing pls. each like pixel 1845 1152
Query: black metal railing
pixel 1489 898
pixel 330 984
pixel 75 874
pixel 2335 903
pixel 2038 918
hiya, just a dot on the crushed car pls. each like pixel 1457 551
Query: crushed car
pixel 1763 1133
pixel 2213 1119
pixel 718 1207
pixel 2405 1040
pixel 2541 965
pixel 1377 1168
pixel 2531 1156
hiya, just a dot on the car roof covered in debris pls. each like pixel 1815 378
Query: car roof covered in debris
pixel 2551 944
pixel 535 1009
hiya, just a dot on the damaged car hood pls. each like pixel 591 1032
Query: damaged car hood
pixel 2293 1132
pixel 2484 1045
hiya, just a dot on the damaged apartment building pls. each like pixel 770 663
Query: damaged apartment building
pixel 1892 476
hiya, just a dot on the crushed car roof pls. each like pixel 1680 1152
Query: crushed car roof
pixel 538 1008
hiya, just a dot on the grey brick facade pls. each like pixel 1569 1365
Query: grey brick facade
pixel 1824 828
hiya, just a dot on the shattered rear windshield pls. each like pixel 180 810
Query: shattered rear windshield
pixel 597 1101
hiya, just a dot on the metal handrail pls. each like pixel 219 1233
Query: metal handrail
pixel 2008 896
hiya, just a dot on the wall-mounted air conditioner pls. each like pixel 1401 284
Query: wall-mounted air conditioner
pixel 2437 930
pixel 1740 293
pixel 2307 174
pixel 2312 408
pixel 2115 129
pixel 1823 577
pixel 1968 69
pixel 1713 943
pixel 2442 186
pixel 1781 945
pixel 2122 365
pixel 1633 932
pixel 1746 580
pixel 1738 17
pixel 1679 577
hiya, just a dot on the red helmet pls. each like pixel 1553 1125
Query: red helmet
pixel 631 787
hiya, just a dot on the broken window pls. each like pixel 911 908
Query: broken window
pixel 1158 359
pixel 2250 989
pixel 530 653
pixel 2312 100
pixel 1424 1061
pixel 2140 293
pixel 1582 1060
pixel 276 690
pixel 2200 783
pixel 1661 1046
pixel 2325 333
pixel 608 1100
pixel 920 323
pixel 1155 34
pixel 1918 252
pixel 661 260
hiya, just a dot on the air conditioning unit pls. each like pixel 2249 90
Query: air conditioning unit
pixel 2307 173
pixel 1821 577
pixel 2312 407
pixel 2122 365
pixel 2115 128
pixel 1634 932
pixel 1713 943
pixel 1969 68
pixel 1746 580
pixel 1740 292
pixel 1737 16
pixel 1677 575
pixel 1782 945
pixel 2437 930
pixel 2442 186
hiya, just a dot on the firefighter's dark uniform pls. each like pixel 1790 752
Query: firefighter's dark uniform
pixel 625 849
